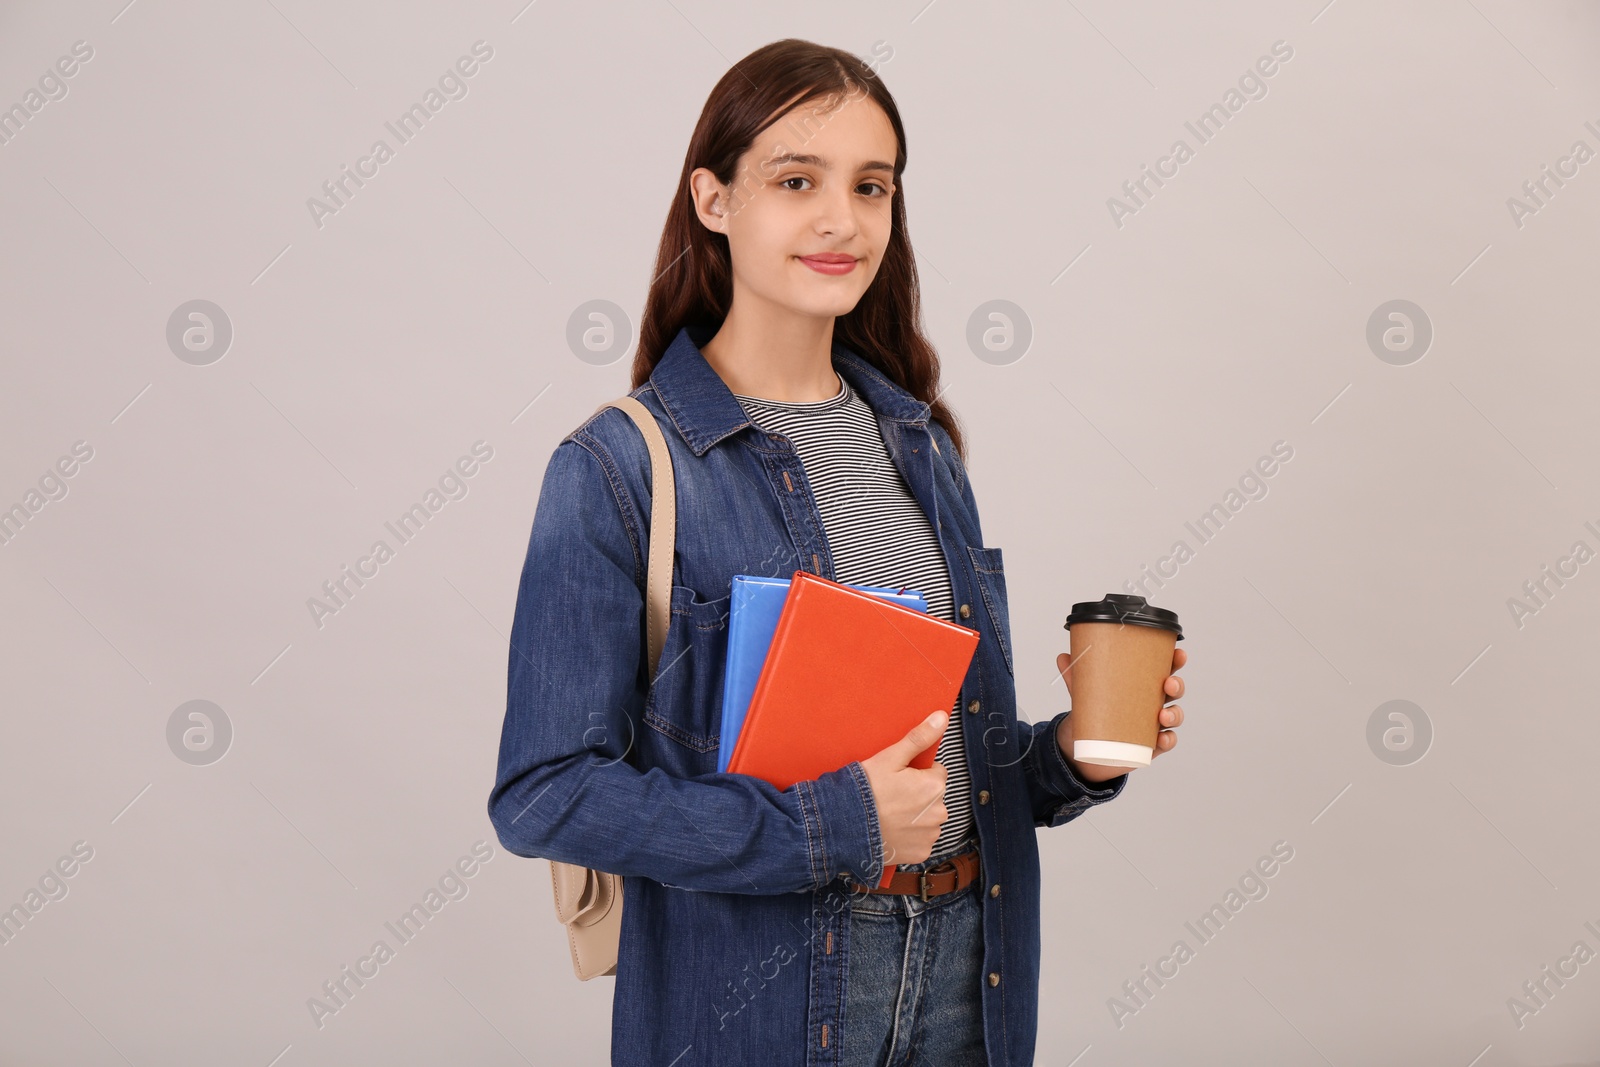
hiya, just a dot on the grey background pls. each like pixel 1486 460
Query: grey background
pixel 432 312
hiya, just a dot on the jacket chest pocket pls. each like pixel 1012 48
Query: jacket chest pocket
pixel 990 569
pixel 685 700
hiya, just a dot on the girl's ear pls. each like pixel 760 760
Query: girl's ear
pixel 701 184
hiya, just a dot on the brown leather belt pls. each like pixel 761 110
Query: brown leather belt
pixel 955 873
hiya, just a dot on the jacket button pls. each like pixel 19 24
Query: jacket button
pixel 994 977
pixel 972 706
pixel 983 796
pixel 994 890
pixel 966 611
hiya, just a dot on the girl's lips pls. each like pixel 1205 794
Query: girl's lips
pixel 829 264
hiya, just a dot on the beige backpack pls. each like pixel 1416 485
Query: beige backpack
pixel 589 902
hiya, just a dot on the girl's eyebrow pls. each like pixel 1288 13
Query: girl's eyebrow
pixel 817 161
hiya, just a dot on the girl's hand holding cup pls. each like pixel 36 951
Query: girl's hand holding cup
pixel 1125 657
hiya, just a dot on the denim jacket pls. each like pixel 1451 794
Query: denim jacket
pixel 735 923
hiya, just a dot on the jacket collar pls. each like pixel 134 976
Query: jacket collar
pixel 704 409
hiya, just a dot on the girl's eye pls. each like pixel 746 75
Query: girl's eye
pixel 881 191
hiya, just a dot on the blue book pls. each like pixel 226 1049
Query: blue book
pixel 753 611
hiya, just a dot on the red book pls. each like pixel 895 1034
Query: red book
pixel 847 674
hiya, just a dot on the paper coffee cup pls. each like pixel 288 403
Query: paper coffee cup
pixel 1121 656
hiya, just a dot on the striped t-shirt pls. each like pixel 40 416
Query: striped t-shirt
pixel 877 533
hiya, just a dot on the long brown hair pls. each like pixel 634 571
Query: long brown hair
pixel 693 282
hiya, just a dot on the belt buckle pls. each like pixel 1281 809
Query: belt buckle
pixel 922 877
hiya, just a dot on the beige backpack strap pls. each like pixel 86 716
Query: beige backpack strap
pixel 589 902
pixel 663 526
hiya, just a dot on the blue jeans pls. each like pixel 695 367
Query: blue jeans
pixel 914 993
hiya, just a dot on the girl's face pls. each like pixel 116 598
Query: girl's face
pixel 807 216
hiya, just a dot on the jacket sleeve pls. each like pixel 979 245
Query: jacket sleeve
pixel 1055 794
pixel 565 788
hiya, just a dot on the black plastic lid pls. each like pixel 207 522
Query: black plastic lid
pixel 1125 607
